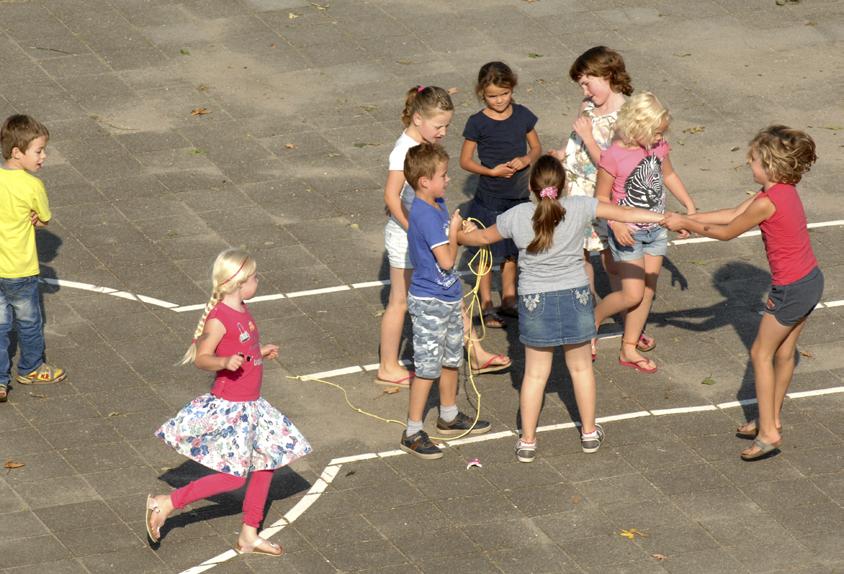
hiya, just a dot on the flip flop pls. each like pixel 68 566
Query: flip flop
pixel 252 548
pixel 751 434
pixel 152 506
pixel 403 382
pixel 489 367
pixel 492 320
pixel 637 365
pixel 645 343
pixel 766 450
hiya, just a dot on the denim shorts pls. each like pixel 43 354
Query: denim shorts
pixel 395 242
pixel 437 335
pixel 653 241
pixel 556 318
pixel 790 304
pixel 486 210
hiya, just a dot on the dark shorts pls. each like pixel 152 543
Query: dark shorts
pixel 790 304
pixel 486 210
pixel 556 318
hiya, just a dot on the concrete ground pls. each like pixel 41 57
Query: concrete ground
pixel 180 128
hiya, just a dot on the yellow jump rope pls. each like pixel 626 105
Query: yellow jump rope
pixel 479 265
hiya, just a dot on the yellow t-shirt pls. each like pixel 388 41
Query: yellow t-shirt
pixel 20 193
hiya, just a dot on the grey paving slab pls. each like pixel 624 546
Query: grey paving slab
pixel 303 102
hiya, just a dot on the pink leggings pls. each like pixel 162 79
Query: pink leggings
pixel 208 486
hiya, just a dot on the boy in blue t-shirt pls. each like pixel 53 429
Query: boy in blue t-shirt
pixel 434 302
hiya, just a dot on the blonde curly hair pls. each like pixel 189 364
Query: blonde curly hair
pixel 785 153
pixel 640 119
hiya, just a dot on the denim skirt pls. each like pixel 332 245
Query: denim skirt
pixel 556 318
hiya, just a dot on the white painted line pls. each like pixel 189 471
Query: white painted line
pixel 321 291
pixel 159 302
pixel 334 373
pixel 681 410
pixel 559 426
pixel 211 562
pixel 366 284
pixel 733 404
pixel 832 223
pixel 330 473
pixel 838 303
pixel 390 453
pixel 353 458
pixel 815 393
pixel 271 531
pixel 623 417
pixel 479 438
pixel 185 308
pixel 273 297
pixel 304 503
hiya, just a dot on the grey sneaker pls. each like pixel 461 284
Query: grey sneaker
pixel 461 424
pixel 525 451
pixel 591 443
pixel 420 445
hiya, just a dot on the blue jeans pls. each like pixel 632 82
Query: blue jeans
pixel 20 308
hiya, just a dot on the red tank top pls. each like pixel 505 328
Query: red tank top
pixel 786 236
pixel 241 336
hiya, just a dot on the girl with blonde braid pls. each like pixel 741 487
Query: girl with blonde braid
pixel 231 430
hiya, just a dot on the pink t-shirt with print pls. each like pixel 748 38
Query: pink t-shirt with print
pixel 637 174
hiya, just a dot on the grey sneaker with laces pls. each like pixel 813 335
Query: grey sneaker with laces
pixel 420 445
pixel 525 451
pixel 461 423
pixel 592 442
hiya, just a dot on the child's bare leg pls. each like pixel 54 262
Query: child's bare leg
pixel 448 387
pixel 637 316
pixel 784 364
pixel 579 363
pixel 590 274
pixel 485 291
pixel 770 336
pixel 509 271
pixel 538 362
pixel 474 350
pixel 419 390
pixel 392 325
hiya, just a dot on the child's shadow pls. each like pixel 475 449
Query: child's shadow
pixel 285 483
pixel 742 285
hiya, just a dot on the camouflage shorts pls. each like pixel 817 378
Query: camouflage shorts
pixel 437 335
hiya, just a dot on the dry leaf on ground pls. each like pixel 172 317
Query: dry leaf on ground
pixel 199 111
pixel 11 464
pixel 391 390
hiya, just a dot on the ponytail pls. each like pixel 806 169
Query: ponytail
pixel 190 354
pixel 425 101
pixel 546 180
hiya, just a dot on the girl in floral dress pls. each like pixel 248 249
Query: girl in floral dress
pixel 231 430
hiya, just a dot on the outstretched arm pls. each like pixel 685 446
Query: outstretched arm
pixel 479 237
pixel 627 214
pixel 754 214
pixel 723 216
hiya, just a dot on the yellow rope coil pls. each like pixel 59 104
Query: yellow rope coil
pixel 480 264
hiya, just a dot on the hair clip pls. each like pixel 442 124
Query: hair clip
pixel 549 191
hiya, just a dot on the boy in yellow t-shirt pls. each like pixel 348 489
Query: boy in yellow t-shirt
pixel 23 207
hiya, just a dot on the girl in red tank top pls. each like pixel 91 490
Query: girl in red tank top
pixel 231 430
pixel 778 157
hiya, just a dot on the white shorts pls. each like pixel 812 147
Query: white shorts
pixel 395 242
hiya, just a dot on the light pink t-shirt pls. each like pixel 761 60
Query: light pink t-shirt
pixel 638 177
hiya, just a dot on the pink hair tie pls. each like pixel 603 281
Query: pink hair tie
pixel 419 88
pixel 549 191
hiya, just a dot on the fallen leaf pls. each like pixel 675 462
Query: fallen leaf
pixel 452 91
pixel 115 414
pixel 405 62
pixel 273 45
pixel 292 15
pixel 354 226
pixel 11 464
pixel 290 145
pixel 202 88
pixel 807 354
pixel 334 154
pixel 694 130
pixel 38 395
pixel 576 499
pixel 659 557
pixel 708 381
pixel 683 54
pixel 199 111
pixel 184 52
pixel 632 533
pixel 368 108
pixel 734 148
pixel 534 55
pixel 364 144
pixel 391 390
pixel 351 473
pixel 197 151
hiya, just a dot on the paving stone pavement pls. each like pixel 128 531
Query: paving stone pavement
pixel 179 128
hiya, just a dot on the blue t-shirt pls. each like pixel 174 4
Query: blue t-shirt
pixel 498 142
pixel 427 229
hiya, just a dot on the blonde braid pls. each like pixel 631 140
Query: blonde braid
pixel 190 354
